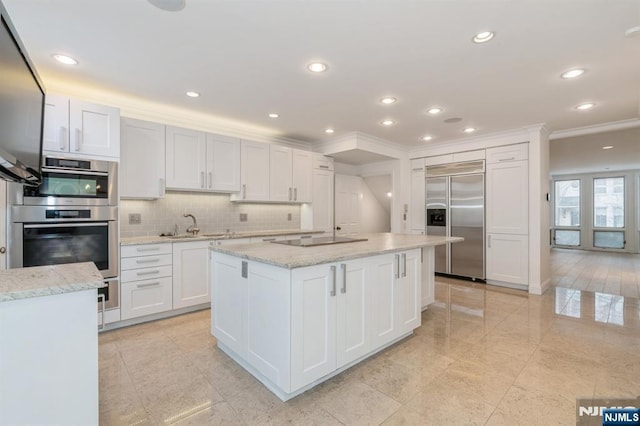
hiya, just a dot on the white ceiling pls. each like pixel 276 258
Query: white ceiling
pixel 248 58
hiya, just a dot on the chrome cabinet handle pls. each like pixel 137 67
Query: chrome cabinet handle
pixel 102 309
pixel 156 271
pixel 323 166
pixel 148 284
pixel 63 133
pixel 78 139
pixel 507 159
pixel 210 180
pixel 344 278
pixel 289 193
pixel 295 194
pixel 140 249
pixel 404 263
pixel 148 260
pixel 268 239
pixel 333 273
pixel 244 191
pixel 397 274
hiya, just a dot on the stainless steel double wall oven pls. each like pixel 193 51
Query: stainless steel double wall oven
pixel 71 217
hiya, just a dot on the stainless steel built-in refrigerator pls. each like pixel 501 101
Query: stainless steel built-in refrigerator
pixel 455 207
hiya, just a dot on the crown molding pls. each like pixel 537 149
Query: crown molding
pixel 596 128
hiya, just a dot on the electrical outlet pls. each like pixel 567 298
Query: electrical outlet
pixel 243 217
pixel 288 216
pixel 135 218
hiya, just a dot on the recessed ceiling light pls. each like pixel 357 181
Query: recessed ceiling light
pixel 387 122
pixel 64 59
pixel 317 67
pixel 434 110
pixel 572 73
pixel 389 194
pixel 427 138
pixel 330 131
pixel 388 100
pixel 584 107
pixel 469 129
pixel 192 94
pixel 168 5
pixel 274 115
pixel 483 36
pixel 607 147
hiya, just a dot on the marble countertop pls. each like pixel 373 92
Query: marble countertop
pixel 127 241
pixel 291 257
pixel 23 283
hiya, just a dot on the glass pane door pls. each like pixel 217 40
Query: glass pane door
pixel 567 213
pixel 608 212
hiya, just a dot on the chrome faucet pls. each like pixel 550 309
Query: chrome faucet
pixel 193 229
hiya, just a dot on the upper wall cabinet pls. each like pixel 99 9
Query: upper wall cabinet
pixel 80 128
pixel 197 161
pixel 142 159
pixel 254 172
pixel 290 174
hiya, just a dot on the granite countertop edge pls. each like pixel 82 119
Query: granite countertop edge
pixel 25 283
pixel 272 253
pixel 128 241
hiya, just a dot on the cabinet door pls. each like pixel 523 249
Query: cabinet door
pixel 254 171
pixel 146 297
pixel 55 132
pixel 383 298
pixel 229 302
pixel 353 309
pixel 313 323
pixel 302 176
pixel 142 159
pixel 280 181
pixel 507 198
pixel 223 163
pixel 322 204
pixel 408 287
pixel 185 158
pixel 508 258
pixel 190 274
pixel 94 129
pixel 417 195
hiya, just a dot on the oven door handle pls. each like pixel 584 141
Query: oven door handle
pixel 74 172
pixel 64 225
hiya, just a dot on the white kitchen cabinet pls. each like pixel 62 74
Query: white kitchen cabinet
pixel 322 205
pixel 280 173
pixel 229 302
pixel 507 198
pixel 223 163
pixel 428 278
pixel 354 311
pixel 418 189
pixel 508 258
pixel 396 292
pixel 185 159
pixel 81 128
pixel 254 172
pixel 190 274
pixel 145 280
pixel 290 174
pixel 142 162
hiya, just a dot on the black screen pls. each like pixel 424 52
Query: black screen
pixel 21 111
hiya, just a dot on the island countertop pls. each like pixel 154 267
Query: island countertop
pixel 291 257
pixel 23 283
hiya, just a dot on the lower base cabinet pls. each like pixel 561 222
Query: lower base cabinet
pixel 508 258
pixel 295 327
pixel 190 274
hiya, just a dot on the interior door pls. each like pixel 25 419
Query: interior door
pixel 347 204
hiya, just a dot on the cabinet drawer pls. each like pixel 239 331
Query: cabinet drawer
pixel 507 153
pixel 323 163
pixel 146 273
pixel 145 297
pixel 469 156
pixel 146 249
pixel 145 261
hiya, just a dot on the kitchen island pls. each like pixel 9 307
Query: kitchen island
pixel 294 316
pixel 49 344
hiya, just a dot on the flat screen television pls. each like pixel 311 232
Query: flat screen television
pixel 21 109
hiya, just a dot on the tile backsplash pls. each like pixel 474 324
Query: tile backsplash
pixel 214 213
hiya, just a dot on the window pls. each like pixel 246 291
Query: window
pixel 608 202
pixel 565 237
pixel 567 202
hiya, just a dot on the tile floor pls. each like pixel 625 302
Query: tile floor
pixel 483 355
